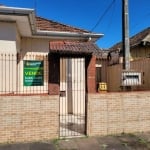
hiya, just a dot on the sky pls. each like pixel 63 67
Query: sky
pixel 98 16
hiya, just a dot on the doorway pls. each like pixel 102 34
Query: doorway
pixel 72 110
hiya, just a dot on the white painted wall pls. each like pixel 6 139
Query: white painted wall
pixel 78 86
pixel 33 89
pixel 33 49
pixel 34 45
pixel 30 48
pixel 8 61
pixel 8 73
pixel 8 32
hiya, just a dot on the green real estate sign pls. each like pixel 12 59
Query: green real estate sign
pixel 33 73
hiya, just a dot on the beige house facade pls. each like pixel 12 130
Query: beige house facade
pixel 48 86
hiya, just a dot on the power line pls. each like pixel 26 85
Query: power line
pixel 35 6
pixel 108 27
pixel 110 21
pixel 101 17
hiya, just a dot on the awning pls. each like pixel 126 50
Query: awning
pixel 67 47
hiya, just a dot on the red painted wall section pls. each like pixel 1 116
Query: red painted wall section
pixel 91 75
pixel 54 73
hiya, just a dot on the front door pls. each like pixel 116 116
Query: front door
pixel 72 97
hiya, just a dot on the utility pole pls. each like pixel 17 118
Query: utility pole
pixel 125 37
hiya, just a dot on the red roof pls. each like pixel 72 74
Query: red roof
pixel 67 47
pixel 49 25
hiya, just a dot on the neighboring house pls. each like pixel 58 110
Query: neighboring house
pixel 101 67
pixel 139 62
pixel 139 47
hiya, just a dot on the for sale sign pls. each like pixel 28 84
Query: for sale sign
pixel 33 73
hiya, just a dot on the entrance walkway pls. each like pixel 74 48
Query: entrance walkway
pixel 72 125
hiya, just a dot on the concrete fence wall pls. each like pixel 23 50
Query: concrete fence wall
pixel 112 113
pixel 36 118
pixel 28 118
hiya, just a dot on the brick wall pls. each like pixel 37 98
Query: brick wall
pixel 36 118
pixel 28 118
pixel 111 113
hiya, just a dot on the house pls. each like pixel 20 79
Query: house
pixel 48 83
pixel 24 35
pixel 139 63
pixel 139 47
pixel 47 69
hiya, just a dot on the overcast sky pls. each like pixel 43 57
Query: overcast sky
pixel 102 15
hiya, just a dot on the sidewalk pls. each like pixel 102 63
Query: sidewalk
pixel 138 141
pixel 29 146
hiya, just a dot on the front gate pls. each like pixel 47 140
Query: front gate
pixel 72 97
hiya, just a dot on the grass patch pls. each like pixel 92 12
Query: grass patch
pixel 104 146
pixel 142 141
pixel 125 144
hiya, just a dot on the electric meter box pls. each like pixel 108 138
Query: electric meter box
pixel 131 78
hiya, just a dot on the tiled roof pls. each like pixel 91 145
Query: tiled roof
pixel 134 40
pixel 101 54
pixel 49 25
pixel 70 47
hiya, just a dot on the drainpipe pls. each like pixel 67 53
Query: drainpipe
pixel 68 34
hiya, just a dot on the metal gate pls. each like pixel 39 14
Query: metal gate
pixel 72 97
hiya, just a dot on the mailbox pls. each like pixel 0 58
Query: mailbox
pixel 131 78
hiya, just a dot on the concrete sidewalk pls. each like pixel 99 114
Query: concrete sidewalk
pixel 138 141
pixel 68 144
pixel 29 146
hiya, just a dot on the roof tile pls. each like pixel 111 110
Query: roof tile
pixel 73 47
pixel 134 40
pixel 49 25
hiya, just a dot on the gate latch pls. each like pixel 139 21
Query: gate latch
pixel 62 93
